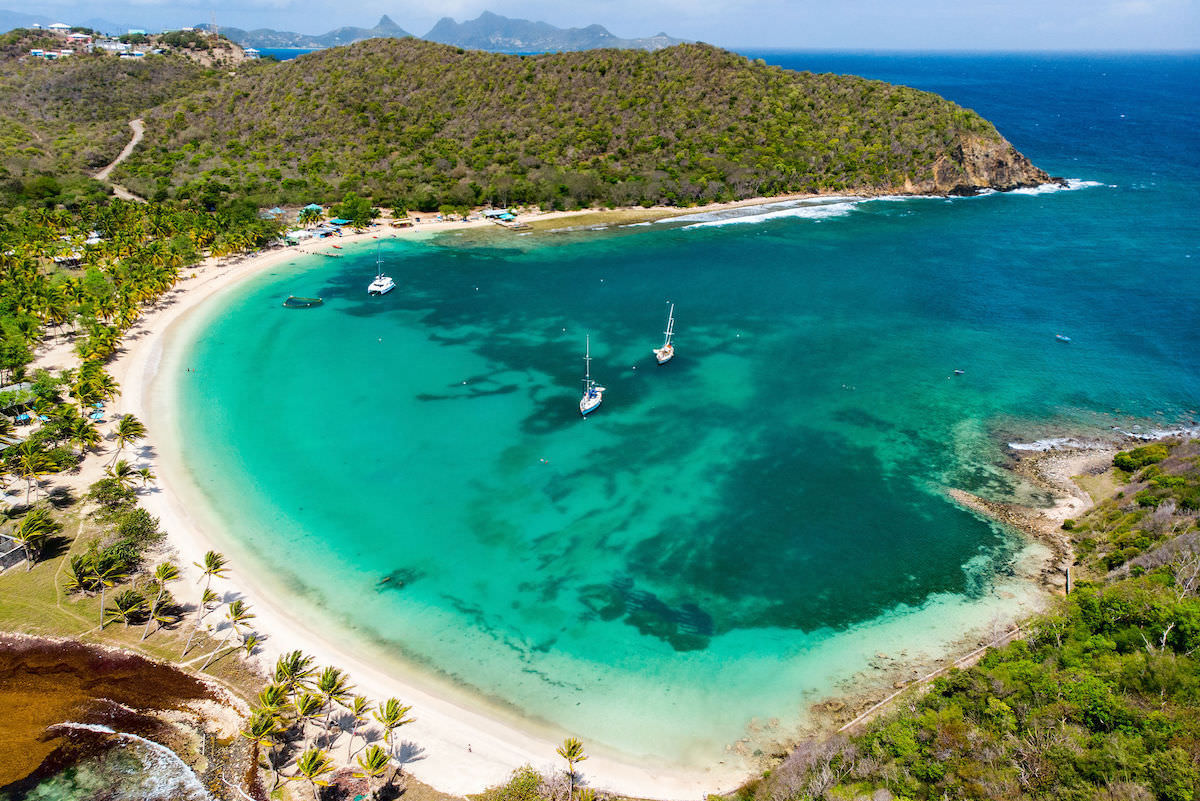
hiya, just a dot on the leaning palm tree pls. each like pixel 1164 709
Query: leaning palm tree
pixel 146 476
pixel 572 751
pixel 237 614
pixel 162 574
pixel 126 606
pixel 208 600
pixel 308 708
pixel 294 670
pixel 129 430
pixel 372 766
pixel 214 565
pixel 32 532
pixel 392 715
pixel 334 686
pixel 263 729
pixel 312 765
pixel 359 709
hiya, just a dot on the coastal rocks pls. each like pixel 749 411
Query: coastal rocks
pixel 77 715
pixel 977 163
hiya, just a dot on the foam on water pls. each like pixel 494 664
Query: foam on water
pixel 163 776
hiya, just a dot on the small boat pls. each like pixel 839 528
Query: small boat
pixel 339 247
pixel 592 394
pixel 382 283
pixel 295 302
pixel 959 372
pixel 667 351
pixel 1062 337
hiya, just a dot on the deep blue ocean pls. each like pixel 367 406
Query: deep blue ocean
pixel 738 534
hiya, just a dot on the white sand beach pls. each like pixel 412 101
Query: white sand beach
pixel 460 750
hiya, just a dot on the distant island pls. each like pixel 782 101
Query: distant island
pixel 486 32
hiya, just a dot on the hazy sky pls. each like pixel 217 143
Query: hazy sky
pixel 812 24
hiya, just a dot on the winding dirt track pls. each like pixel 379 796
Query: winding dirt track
pixel 139 128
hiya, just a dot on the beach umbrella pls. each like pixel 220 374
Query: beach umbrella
pixel 96 415
pixel 22 418
pixel 45 418
pixel 97 405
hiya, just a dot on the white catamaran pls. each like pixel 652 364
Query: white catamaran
pixel 667 351
pixel 592 394
pixel 382 283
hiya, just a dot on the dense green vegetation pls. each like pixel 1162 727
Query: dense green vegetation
pixel 418 125
pixel 65 119
pixel 1099 701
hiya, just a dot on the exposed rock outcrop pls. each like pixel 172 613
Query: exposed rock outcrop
pixel 978 162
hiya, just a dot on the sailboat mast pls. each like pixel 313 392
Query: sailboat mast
pixel 670 325
pixel 587 359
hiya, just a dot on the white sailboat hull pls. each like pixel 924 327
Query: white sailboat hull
pixel 664 354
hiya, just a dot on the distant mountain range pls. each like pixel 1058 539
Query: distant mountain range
pixel 266 37
pixel 504 35
pixel 488 32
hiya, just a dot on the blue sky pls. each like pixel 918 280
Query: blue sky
pixel 802 24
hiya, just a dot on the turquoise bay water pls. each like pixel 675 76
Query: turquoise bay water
pixel 737 533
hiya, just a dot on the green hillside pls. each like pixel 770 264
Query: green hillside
pixel 422 125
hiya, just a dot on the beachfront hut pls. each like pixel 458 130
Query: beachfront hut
pixel 59 27
pixel 340 221
pixel 313 207
pixel 492 214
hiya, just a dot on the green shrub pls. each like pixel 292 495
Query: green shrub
pixel 1133 460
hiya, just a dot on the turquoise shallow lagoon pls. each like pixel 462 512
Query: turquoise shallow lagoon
pixel 734 535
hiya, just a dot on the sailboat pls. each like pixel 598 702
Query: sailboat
pixel 667 351
pixel 592 394
pixel 382 283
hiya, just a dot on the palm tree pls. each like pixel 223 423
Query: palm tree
pixel 146 476
pixel 129 430
pixel 273 698
pixel 294 671
pixel 162 574
pixel 237 614
pixel 123 472
pixel 84 434
pixel 311 766
pixel 214 565
pixel 572 751
pixel 373 764
pixel 360 708
pixel 309 216
pixel 250 642
pixel 308 706
pixel 6 430
pixel 125 606
pixel 263 729
pixel 208 600
pixel 29 462
pixel 105 576
pixel 334 686
pixel 392 715
pixel 33 530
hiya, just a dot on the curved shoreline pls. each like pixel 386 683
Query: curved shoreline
pixel 465 751
pixel 445 728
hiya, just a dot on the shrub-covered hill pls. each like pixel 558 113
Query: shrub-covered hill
pixel 422 125
pixel 62 119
